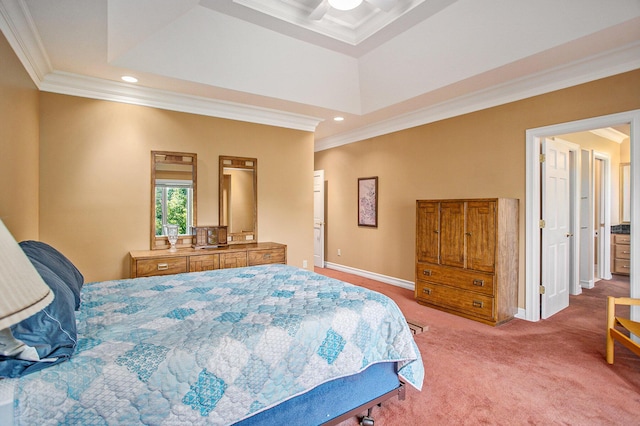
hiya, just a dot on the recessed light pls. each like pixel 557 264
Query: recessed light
pixel 338 118
pixel 129 79
pixel 345 4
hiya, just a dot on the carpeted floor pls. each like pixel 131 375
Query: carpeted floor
pixel 552 372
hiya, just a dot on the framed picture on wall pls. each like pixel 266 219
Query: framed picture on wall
pixel 368 201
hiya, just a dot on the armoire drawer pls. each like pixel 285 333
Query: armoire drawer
pixel 448 298
pixel 460 278
pixel 161 266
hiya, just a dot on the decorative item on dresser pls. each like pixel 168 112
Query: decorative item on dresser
pixel 145 263
pixel 621 249
pixel 467 257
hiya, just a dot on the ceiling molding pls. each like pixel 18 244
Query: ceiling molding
pixel 610 134
pixel 338 27
pixel 94 88
pixel 626 58
pixel 18 27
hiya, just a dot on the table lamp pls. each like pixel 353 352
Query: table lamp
pixel 22 291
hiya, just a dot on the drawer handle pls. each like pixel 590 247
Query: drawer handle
pixel 479 283
pixel 626 252
pixel 267 256
pixel 427 272
pixel 427 291
pixel 626 266
pixel 163 266
pixel 478 304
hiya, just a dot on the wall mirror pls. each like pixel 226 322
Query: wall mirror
pixel 625 193
pixel 173 197
pixel 238 204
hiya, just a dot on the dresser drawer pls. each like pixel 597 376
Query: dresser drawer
pixel 233 260
pixel 263 257
pixel 205 262
pixel 621 238
pixel 161 266
pixel 459 278
pixel 466 302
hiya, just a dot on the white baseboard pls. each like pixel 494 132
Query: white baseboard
pixel 409 285
pixel 587 283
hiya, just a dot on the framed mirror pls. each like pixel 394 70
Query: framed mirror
pixel 625 193
pixel 174 192
pixel 238 204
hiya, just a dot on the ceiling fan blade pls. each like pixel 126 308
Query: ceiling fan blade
pixel 385 5
pixel 320 10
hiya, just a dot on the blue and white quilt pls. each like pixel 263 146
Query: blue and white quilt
pixel 214 347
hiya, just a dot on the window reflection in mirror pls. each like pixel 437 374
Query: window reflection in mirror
pixel 238 198
pixel 174 183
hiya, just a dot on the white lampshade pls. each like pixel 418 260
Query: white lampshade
pixel 22 290
pixel 345 4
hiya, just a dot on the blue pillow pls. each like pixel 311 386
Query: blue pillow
pixel 52 331
pixel 57 263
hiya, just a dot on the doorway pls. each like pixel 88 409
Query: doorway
pixel 534 138
pixel 318 218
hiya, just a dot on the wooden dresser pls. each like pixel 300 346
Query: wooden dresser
pixel 620 254
pixel 145 263
pixel 467 257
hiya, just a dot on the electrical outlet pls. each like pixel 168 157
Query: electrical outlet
pixel 304 263
pixel 339 252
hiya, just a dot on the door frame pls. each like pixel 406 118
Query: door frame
pixel 533 201
pixel 319 252
pixel 604 237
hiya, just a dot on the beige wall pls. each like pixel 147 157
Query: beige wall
pixel 95 177
pixel 481 154
pixel 18 146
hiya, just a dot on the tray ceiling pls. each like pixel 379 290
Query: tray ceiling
pixel 267 61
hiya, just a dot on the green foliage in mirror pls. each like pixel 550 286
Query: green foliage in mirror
pixel 172 207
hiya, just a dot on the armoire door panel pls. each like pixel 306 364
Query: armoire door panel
pixel 428 225
pixel 452 233
pixel 481 235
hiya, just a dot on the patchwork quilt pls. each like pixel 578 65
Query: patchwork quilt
pixel 214 347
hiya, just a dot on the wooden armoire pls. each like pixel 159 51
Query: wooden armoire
pixel 467 257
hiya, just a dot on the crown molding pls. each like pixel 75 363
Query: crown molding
pixel 617 61
pixel 611 134
pixel 18 27
pixel 95 88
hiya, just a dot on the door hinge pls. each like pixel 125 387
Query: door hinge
pixel 542 224
pixel 542 289
pixel 543 158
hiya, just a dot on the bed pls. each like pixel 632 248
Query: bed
pixel 270 344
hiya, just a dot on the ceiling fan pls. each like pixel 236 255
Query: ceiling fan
pixel 324 5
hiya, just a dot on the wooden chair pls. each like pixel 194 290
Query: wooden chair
pixel 613 334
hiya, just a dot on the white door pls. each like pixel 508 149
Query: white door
pixel 556 233
pixel 318 218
